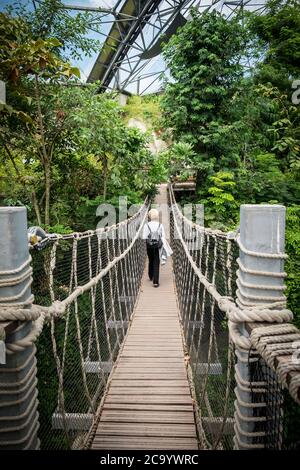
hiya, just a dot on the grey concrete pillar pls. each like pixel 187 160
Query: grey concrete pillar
pixel 262 230
pixel 18 392
pixel 2 92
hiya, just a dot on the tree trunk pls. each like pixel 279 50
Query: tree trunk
pixel 201 176
pixel 47 193
pixel 33 194
pixel 105 175
pixel 36 207
pixel 46 160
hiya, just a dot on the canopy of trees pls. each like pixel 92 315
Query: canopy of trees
pixel 64 147
pixel 237 129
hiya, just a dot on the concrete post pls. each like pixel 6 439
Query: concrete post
pixel 2 92
pixel 18 393
pixel 262 230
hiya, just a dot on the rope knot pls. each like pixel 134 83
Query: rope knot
pixel 57 309
pixel 224 303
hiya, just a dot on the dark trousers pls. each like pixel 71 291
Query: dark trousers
pixel 153 269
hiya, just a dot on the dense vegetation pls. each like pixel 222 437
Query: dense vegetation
pixel 237 130
pixel 64 147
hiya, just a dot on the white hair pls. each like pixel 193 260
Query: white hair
pixel 153 214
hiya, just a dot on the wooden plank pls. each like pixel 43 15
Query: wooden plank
pixel 164 314
pixel 146 429
pixel 162 331
pixel 157 445
pixel 144 416
pixel 163 345
pixel 153 346
pixel 148 345
pixel 149 399
pixel 157 337
pixel 174 408
pixel 151 366
pixel 137 442
pixel 115 389
pixel 154 322
pixel 167 332
pixel 153 325
pixel 160 335
pixel 151 360
pixel 168 309
pixel 117 382
pixel 144 354
pixel 152 375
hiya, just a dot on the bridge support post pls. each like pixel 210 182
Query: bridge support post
pixel 18 393
pixel 260 281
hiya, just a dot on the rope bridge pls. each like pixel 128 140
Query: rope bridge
pixel 243 379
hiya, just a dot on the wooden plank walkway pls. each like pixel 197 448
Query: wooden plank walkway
pixel 149 405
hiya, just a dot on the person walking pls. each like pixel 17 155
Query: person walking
pixel 158 249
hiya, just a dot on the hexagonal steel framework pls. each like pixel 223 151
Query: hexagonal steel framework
pixel 130 57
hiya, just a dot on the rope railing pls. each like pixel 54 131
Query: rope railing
pixel 85 286
pixel 205 272
pixel 215 310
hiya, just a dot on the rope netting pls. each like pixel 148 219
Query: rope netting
pixel 206 264
pixel 89 283
pixel 205 325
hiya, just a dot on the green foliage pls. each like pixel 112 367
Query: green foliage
pixel 145 108
pixel 51 20
pixel 221 199
pixel 279 32
pixel 94 156
pixel 22 55
pixel 204 62
pixel 69 146
pixel 180 158
pixel 239 132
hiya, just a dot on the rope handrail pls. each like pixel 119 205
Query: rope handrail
pixel 58 308
pixel 89 233
pixel 91 284
pixel 272 311
pixel 235 314
pixel 38 313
